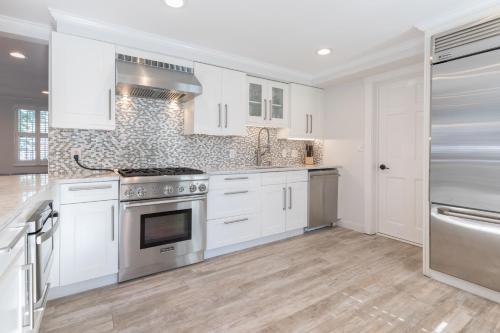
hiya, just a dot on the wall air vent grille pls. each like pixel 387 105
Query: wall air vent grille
pixel 466 40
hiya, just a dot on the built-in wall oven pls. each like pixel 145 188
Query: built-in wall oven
pixel 165 232
pixel 40 247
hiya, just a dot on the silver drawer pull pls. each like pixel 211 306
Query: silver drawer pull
pixel 12 244
pixel 85 188
pixel 235 178
pixel 471 215
pixel 236 221
pixel 235 192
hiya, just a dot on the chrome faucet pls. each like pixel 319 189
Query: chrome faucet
pixel 263 150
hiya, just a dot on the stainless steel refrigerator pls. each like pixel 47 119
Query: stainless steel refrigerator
pixel 465 154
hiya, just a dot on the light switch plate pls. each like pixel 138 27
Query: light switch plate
pixel 284 153
pixel 295 153
pixel 232 153
pixel 76 151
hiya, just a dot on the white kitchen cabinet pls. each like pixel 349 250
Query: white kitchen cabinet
pixel 220 109
pixel 89 240
pixel 273 209
pixel 306 113
pixel 267 103
pixel 82 83
pixel 12 286
pixel 296 216
pixel 228 231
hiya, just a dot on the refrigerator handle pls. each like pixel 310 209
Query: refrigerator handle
pixel 470 214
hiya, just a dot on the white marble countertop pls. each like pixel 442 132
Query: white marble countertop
pixel 256 169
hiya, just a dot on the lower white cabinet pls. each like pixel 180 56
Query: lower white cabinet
pixel 89 240
pixel 232 230
pixel 12 286
pixel 296 215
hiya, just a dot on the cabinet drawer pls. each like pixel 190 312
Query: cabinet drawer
pixel 86 192
pixel 273 178
pixel 297 176
pixel 234 230
pixel 244 181
pixel 232 202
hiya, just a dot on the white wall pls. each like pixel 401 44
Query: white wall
pixel 344 135
pixel 8 138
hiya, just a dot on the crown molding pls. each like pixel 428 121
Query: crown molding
pixel 27 30
pixel 407 50
pixel 460 16
pixel 121 35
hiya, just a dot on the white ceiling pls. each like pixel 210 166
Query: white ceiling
pixel 24 78
pixel 285 33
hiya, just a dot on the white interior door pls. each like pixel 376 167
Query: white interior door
pixel 400 147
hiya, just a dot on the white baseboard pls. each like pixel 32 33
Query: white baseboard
pixel 351 225
pixel 61 291
pixel 245 245
pixel 467 286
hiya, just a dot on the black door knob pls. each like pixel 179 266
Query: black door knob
pixel 383 167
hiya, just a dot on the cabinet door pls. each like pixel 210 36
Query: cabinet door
pixel 296 216
pixel 234 102
pixel 207 107
pixel 273 209
pixel 257 101
pixel 317 113
pixel 82 83
pixel 89 241
pixel 278 104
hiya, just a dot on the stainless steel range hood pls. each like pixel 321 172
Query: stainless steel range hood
pixel 138 77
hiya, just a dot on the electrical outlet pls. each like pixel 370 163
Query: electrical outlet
pixel 284 153
pixel 76 151
pixel 232 153
pixel 295 153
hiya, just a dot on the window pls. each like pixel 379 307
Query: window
pixel 32 136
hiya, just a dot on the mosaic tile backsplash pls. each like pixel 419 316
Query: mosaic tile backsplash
pixel 150 133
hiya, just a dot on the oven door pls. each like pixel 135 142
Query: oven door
pixel 156 235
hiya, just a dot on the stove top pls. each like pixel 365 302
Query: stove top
pixel 174 171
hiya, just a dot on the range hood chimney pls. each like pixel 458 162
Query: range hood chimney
pixel 138 77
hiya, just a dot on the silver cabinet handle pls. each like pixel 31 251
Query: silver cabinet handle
pixel 284 198
pixel 109 104
pixel 235 192
pixel 311 124
pixel 270 110
pixel 265 109
pixel 225 106
pixel 220 115
pixel 235 178
pixel 112 222
pixel 85 188
pixel 471 215
pixel 13 242
pixel 236 221
pixel 290 197
pixel 31 307
pixel 307 123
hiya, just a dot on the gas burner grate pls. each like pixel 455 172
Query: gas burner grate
pixel 158 172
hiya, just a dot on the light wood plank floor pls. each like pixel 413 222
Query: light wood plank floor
pixel 329 281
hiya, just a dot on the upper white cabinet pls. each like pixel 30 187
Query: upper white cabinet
pixel 82 83
pixel 220 109
pixel 267 103
pixel 306 113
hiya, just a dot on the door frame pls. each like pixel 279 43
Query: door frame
pixel 371 143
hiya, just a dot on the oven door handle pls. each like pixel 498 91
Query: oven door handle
pixel 159 202
pixel 43 236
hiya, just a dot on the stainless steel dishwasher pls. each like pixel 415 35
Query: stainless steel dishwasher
pixel 323 198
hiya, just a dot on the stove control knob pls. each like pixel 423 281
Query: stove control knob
pixel 202 187
pixel 168 190
pixel 181 189
pixel 193 188
pixel 140 192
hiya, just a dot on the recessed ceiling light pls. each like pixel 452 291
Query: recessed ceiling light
pixel 174 3
pixel 323 52
pixel 45 92
pixel 18 55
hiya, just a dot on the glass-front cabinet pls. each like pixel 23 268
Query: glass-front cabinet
pixel 267 103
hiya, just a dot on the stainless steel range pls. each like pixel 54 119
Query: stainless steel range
pixel 162 220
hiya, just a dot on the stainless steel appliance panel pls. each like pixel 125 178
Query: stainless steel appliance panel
pixel 323 197
pixel 143 251
pixel 465 243
pixel 465 146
